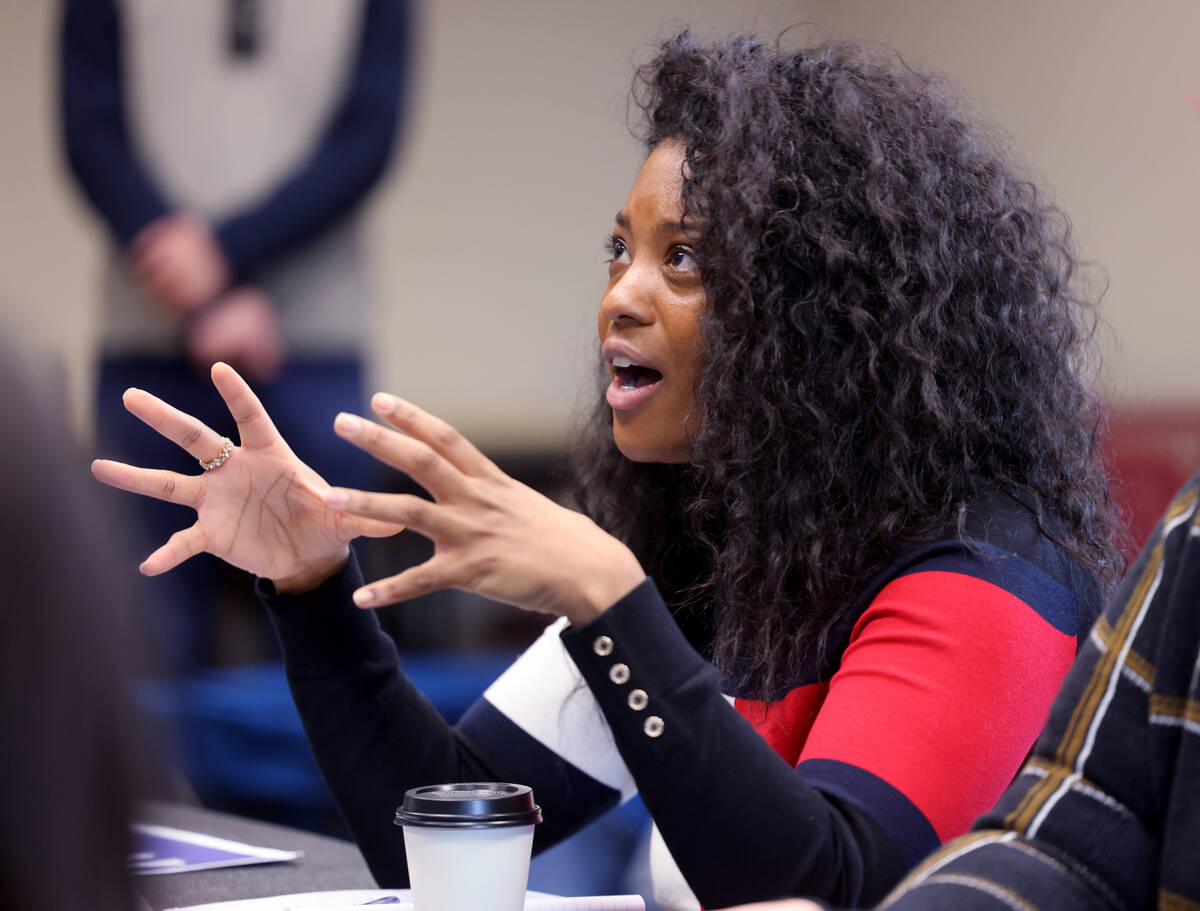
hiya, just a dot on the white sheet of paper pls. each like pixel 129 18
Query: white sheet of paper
pixel 345 899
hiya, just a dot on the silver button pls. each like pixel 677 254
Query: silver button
pixel 638 700
pixel 619 673
pixel 653 726
pixel 602 646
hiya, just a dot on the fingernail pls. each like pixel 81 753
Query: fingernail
pixel 384 403
pixel 364 596
pixel 347 423
pixel 336 497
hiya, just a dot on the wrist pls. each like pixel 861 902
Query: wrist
pixel 605 585
pixel 312 575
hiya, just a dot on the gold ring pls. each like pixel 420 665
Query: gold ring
pixel 221 457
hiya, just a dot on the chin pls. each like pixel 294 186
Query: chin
pixel 637 448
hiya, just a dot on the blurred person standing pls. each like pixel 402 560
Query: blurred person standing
pixel 227 147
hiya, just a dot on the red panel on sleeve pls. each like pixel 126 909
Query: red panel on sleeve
pixel 943 689
pixel 785 724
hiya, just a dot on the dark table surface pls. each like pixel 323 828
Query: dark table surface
pixel 328 863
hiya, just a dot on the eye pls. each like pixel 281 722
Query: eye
pixel 617 251
pixel 681 259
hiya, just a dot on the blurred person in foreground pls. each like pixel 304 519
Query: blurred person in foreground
pixel 227 147
pixel 844 512
pixel 72 761
pixel 1106 813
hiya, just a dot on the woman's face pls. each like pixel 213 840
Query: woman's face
pixel 649 320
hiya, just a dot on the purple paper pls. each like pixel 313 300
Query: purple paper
pixel 159 849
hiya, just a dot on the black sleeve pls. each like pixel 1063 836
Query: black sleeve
pixel 373 734
pixel 740 822
pixel 94 124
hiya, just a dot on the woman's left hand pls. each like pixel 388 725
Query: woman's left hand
pixel 492 535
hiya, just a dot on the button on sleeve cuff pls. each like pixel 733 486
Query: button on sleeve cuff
pixel 642 670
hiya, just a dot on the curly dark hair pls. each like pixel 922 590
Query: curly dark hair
pixel 893 334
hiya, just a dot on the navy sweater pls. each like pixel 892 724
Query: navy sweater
pixel 335 176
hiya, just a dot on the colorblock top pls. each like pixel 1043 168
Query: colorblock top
pixel 911 724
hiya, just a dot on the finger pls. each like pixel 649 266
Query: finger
pixel 405 509
pixel 153 286
pixel 253 423
pixel 193 435
pixel 183 545
pixel 412 456
pixel 371 528
pixel 147 237
pixel 143 267
pixel 172 286
pixel 154 260
pixel 435 574
pixel 150 482
pixel 159 267
pixel 442 437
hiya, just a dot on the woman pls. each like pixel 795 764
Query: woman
pixel 844 477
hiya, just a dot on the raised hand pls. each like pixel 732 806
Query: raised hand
pixel 492 535
pixel 260 510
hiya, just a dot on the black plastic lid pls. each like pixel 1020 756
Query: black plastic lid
pixel 469 805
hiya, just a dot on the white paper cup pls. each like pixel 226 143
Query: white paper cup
pixel 468 845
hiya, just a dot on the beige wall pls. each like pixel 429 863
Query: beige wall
pixel 488 234
pixel 1102 98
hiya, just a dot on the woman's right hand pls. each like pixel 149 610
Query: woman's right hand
pixel 262 510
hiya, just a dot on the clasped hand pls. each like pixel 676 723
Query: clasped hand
pixel 267 512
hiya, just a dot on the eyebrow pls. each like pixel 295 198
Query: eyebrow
pixel 687 226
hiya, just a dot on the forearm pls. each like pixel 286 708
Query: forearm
pixel 94 123
pixel 372 733
pixel 742 824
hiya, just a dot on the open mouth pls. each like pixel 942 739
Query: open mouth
pixel 633 376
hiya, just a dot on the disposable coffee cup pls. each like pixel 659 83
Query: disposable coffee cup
pixel 468 845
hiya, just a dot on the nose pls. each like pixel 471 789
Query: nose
pixel 628 298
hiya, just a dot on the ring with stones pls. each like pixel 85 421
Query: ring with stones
pixel 217 462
